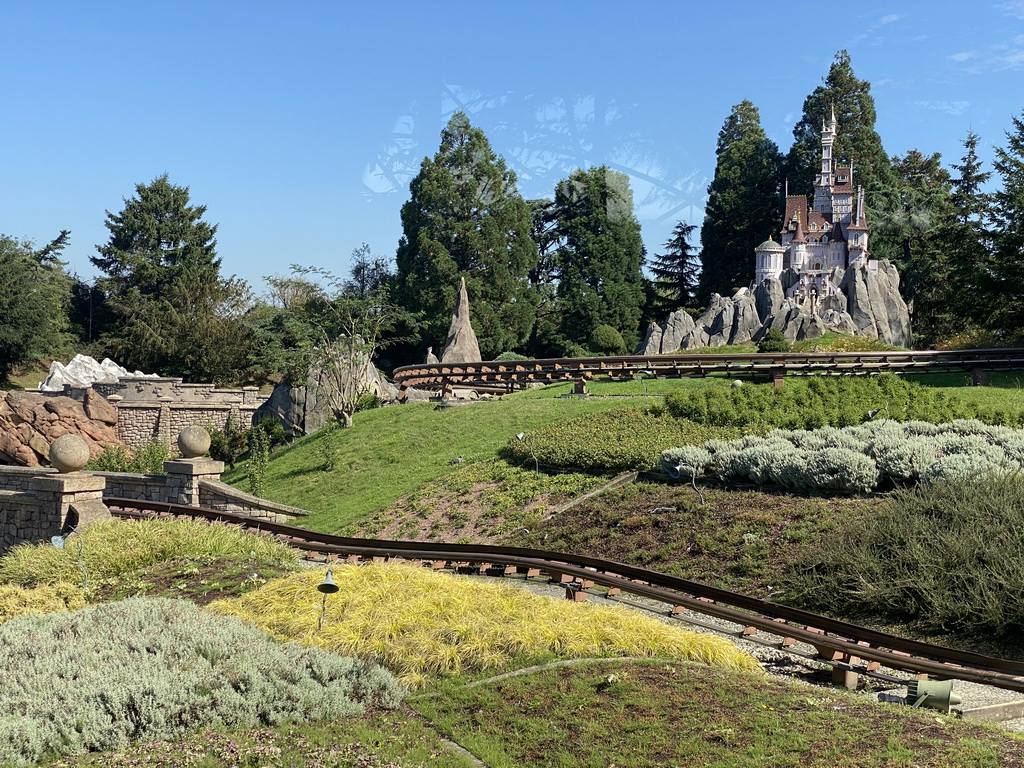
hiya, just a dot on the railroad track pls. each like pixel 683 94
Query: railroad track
pixel 851 649
pixel 507 376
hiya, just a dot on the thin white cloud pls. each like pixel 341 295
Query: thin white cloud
pixel 1012 8
pixel 949 107
pixel 890 18
pixel 964 56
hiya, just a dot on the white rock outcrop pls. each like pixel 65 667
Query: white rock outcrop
pixel 83 371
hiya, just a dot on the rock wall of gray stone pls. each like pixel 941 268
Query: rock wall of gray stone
pixel 871 306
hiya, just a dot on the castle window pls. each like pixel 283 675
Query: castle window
pixel 842 178
pixel 824 238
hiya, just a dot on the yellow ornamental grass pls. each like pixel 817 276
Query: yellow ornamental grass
pixel 114 547
pixel 422 624
pixel 18 601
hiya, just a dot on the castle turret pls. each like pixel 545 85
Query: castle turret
pixel 769 260
pixel 825 179
pixel 857 233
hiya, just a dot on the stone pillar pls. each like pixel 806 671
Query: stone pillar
pixel 185 474
pixel 71 498
pixel 249 396
pixel 163 421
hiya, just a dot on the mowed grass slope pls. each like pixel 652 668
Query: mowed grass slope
pixel 344 475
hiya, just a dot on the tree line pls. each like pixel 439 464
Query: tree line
pixel 560 276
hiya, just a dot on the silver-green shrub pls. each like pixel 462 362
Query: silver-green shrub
pixel 689 460
pixel 101 677
pixel 858 458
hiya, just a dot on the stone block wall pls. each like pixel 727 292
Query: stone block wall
pixel 214 494
pixel 19 520
pixel 37 503
pixel 151 409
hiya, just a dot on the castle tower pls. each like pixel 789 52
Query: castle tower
pixel 826 178
pixel 769 260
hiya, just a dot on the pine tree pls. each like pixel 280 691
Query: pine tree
pixel 919 226
pixel 172 311
pixel 601 258
pixel 744 203
pixel 465 218
pixel 968 240
pixel 1005 288
pixel 676 272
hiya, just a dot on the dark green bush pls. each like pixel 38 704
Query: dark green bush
pixel 821 401
pixel 613 441
pixel 505 357
pixel 773 341
pixel 606 340
pixel 946 556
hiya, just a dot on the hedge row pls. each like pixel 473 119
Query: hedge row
pixel 612 441
pixel 831 401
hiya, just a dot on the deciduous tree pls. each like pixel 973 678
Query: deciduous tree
pixel 33 302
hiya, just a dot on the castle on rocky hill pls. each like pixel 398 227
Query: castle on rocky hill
pixel 817 279
pixel 815 239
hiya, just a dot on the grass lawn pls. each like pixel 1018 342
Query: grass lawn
pixel 648 715
pixel 344 475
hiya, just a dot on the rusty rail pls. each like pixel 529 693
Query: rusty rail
pixel 510 375
pixel 850 648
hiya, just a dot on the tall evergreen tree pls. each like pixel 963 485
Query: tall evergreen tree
pixel 744 204
pixel 601 258
pixel 676 272
pixel 857 143
pixel 33 303
pixel 173 313
pixel 1005 287
pixel 920 225
pixel 967 239
pixel 465 218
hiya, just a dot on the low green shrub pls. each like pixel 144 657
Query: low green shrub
pixel 147 459
pixel 606 340
pixel 773 341
pixel 946 555
pixel 115 547
pixel 843 342
pixel 612 441
pixel 151 668
pixel 507 357
pixel 830 401
pixel 857 459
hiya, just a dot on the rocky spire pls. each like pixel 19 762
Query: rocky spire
pixel 462 346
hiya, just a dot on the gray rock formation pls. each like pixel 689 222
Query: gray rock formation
pixel 875 304
pixel 303 410
pixel 668 337
pixel 871 306
pixel 462 346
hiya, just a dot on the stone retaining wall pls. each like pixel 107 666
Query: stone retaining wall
pixel 221 496
pixel 37 503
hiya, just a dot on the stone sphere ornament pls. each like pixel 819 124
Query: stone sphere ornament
pixel 69 453
pixel 193 442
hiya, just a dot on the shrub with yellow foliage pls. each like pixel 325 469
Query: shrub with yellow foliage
pixel 18 601
pixel 422 624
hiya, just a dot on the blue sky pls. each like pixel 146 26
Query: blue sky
pixel 300 124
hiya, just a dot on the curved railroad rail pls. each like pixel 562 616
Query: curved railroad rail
pixel 507 376
pixel 849 648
